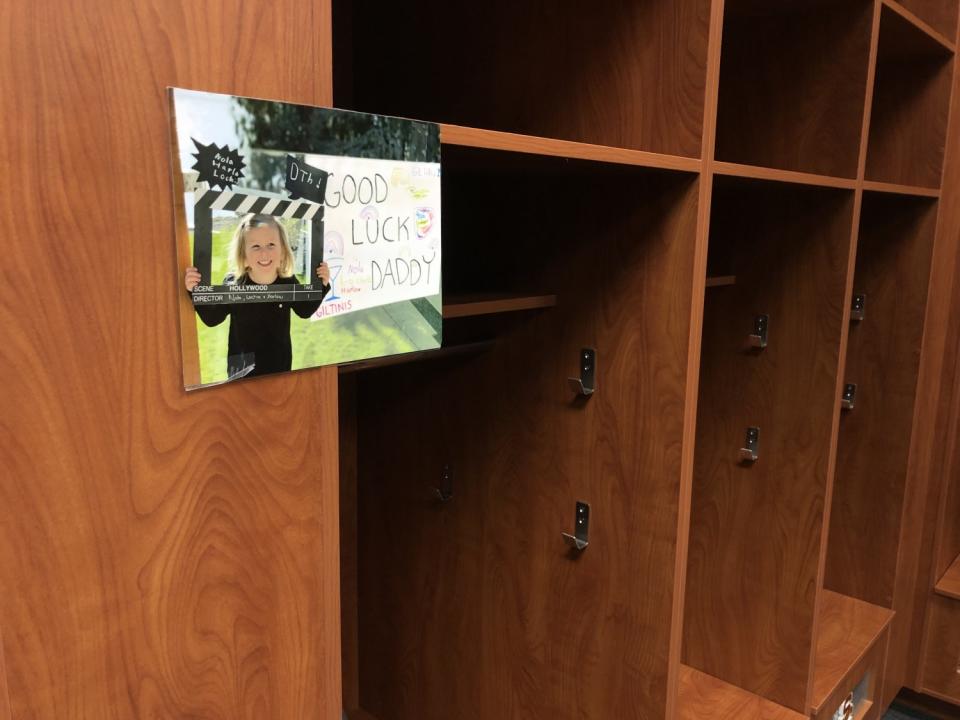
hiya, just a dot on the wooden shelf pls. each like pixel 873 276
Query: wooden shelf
pixel 704 697
pixel 920 25
pixel 417 356
pixel 949 584
pixel 892 188
pixel 461 307
pixel 721 281
pixel 847 631
pixel 533 145
pixel 787 176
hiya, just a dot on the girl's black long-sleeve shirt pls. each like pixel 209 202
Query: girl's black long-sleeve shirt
pixel 259 332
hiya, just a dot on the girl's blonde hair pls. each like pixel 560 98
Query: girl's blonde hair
pixel 238 255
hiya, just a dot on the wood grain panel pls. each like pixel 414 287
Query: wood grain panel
pixel 883 359
pixel 851 641
pixel 910 103
pixel 476 608
pixel 623 74
pixel 792 85
pixel 941 665
pixel 162 555
pixel 755 530
pixel 704 697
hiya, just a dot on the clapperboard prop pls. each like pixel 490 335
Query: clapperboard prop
pixel 206 201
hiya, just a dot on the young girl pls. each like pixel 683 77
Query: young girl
pixel 259 341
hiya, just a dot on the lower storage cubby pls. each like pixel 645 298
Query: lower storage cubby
pixel 462 597
pixel 941 662
pixel 851 651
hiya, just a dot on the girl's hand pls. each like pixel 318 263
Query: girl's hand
pixel 323 272
pixel 191 278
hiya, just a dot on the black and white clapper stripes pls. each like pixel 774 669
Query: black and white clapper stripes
pixel 242 204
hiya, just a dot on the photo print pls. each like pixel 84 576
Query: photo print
pixel 306 236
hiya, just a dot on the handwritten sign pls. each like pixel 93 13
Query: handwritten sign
pixel 219 166
pixel 304 181
pixel 382 231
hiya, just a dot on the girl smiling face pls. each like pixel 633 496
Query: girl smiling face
pixel 263 254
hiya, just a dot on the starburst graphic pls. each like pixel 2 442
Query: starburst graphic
pixel 218 166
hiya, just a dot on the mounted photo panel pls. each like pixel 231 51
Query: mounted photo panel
pixel 306 236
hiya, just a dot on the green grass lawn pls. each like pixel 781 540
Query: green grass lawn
pixel 387 330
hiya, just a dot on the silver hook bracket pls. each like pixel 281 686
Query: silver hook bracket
pixel 585 385
pixel 857 307
pixel 758 339
pixel 849 397
pixel 751 446
pixel 444 493
pixel 581 528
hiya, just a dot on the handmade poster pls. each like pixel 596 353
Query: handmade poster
pixel 306 236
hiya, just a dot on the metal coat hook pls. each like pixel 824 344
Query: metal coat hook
pixel 445 491
pixel 857 306
pixel 758 338
pixel 751 447
pixel 581 528
pixel 585 384
pixel 849 397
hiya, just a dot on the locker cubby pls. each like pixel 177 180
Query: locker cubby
pixel 476 607
pixel 755 527
pixel 792 84
pixel 624 74
pixel 883 359
pixel 911 99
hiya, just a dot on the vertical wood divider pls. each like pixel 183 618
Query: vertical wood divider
pixel 349 571
pixel 4 691
pixel 707 147
pixel 844 338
